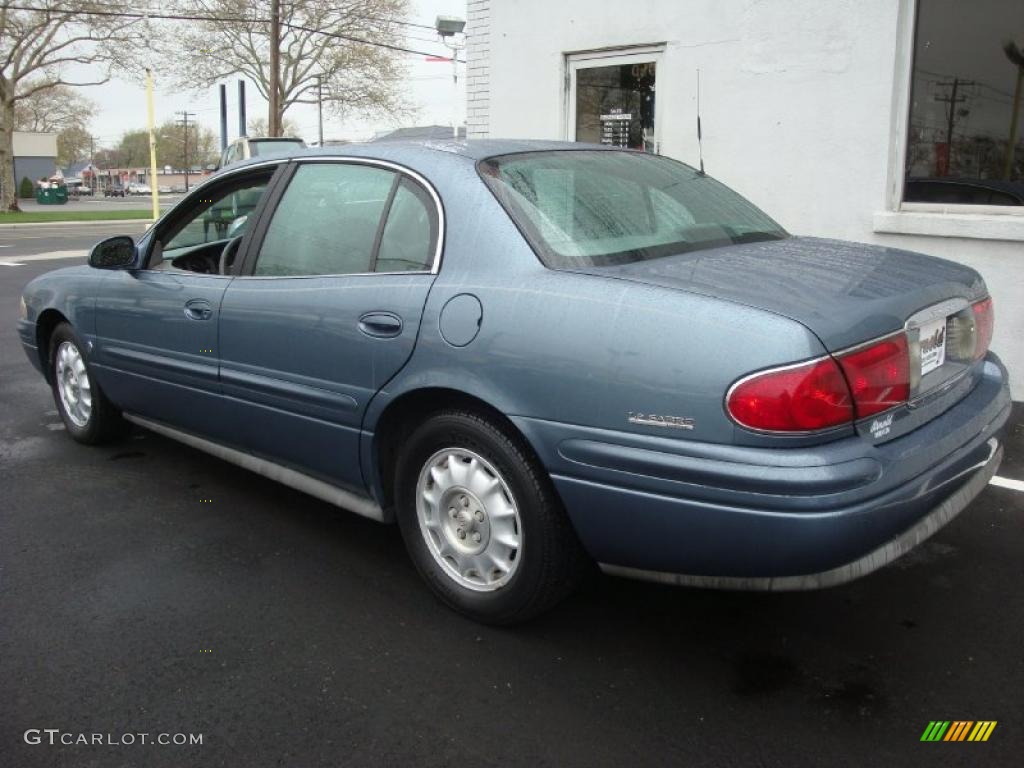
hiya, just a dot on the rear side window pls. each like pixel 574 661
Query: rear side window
pixel 582 208
pixel 407 243
pixel 326 222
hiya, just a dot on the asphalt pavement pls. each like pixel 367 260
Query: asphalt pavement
pixel 149 588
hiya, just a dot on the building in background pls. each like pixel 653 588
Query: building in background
pixel 35 155
pixel 880 121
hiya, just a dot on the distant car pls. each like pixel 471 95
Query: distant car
pixel 164 190
pixel 77 188
pixel 248 147
pixel 137 188
pixel 585 352
pixel 113 190
pixel 960 191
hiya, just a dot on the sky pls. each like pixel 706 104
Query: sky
pixel 121 105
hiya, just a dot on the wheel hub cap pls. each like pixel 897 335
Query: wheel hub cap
pixel 469 519
pixel 73 384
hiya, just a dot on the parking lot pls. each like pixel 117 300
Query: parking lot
pixel 149 588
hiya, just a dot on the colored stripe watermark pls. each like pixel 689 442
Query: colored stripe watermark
pixel 958 730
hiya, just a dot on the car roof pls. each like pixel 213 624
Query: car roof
pixel 466 149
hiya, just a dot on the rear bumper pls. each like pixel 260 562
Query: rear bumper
pixel 862 566
pixel 759 518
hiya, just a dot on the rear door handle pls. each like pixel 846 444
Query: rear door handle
pixel 198 309
pixel 381 325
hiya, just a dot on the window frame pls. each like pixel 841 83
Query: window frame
pixel 252 248
pixel 916 216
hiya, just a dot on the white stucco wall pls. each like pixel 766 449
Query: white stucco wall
pixel 800 102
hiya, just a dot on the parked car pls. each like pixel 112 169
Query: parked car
pixel 137 188
pixel 164 189
pixel 78 188
pixel 246 147
pixel 585 355
pixel 115 189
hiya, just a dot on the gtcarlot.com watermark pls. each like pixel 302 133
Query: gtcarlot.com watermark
pixel 56 737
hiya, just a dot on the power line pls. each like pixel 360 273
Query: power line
pixel 225 19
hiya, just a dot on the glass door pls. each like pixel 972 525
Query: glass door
pixel 611 99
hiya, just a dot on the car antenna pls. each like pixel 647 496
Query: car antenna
pixel 700 146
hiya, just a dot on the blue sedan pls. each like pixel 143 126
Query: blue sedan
pixel 537 356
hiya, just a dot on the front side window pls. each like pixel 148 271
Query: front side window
pixel 326 222
pixel 218 217
pixel 966 135
pixel 599 208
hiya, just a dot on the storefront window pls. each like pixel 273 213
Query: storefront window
pixel 965 143
pixel 615 105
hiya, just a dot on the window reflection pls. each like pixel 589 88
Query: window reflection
pixel 964 139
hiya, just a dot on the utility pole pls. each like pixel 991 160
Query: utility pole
pixel 448 27
pixel 273 123
pixel 952 99
pixel 320 107
pixel 184 123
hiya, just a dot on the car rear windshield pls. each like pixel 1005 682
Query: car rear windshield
pixel 592 208
pixel 262 147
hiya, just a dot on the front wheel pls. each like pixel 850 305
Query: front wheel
pixel 87 414
pixel 481 520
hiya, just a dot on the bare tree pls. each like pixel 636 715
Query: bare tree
pixel 36 48
pixel 52 109
pixel 344 42
pixel 257 126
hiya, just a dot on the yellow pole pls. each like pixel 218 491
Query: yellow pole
pixel 152 145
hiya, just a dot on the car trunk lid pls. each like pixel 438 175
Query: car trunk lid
pixel 845 293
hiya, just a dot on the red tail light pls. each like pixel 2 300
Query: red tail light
pixel 879 375
pixel 984 324
pixel 800 398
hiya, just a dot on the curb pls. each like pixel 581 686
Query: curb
pixel 23 224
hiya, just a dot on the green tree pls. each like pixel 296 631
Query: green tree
pixel 170 145
pixel 339 41
pixel 73 143
pixel 27 189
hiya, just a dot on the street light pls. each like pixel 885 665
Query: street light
pixel 447 28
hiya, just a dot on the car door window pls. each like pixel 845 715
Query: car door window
pixel 326 222
pixel 407 243
pixel 216 217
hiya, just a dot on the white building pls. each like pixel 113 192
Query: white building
pixel 817 112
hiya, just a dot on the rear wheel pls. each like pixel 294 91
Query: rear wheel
pixel 87 414
pixel 481 520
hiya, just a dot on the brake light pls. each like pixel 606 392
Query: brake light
pixel 879 375
pixel 800 398
pixel 984 324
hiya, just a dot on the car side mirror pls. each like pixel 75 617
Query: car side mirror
pixel 113 253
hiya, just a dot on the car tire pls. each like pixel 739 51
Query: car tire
pixel 88 415
pixel 482 521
